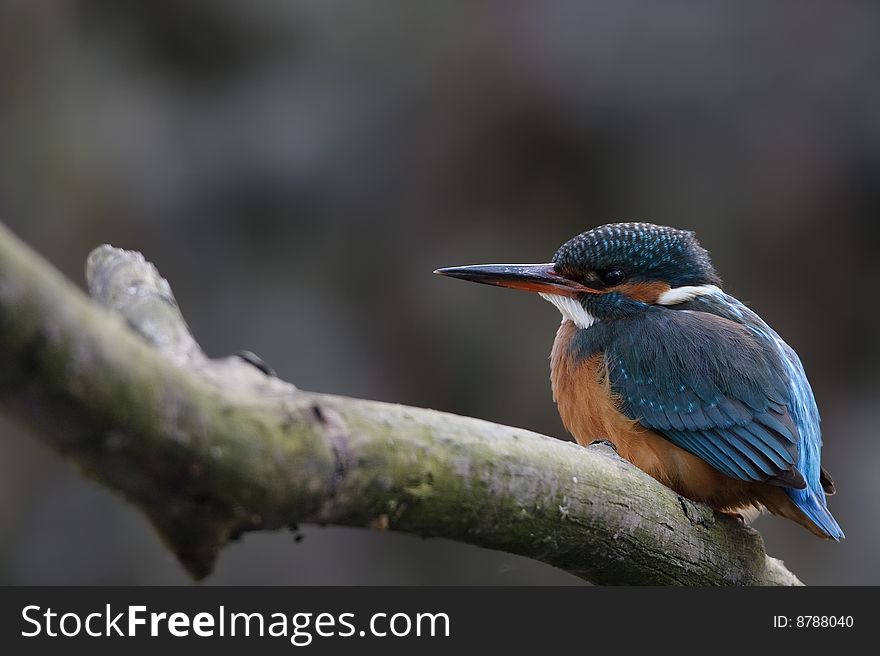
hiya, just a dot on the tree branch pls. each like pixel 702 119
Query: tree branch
pixel 209 449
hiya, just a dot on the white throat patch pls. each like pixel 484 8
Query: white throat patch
pixel 571 309
pixel 678 295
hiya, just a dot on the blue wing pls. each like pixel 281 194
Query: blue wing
pixel 801 406
pixel 712 388
pixel 714 379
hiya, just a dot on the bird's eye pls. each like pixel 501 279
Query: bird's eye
pixel 612 277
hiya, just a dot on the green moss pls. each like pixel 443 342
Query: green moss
pixel 206 460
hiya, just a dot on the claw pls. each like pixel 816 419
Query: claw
pixel 255 360
pixel 606 443
pixel 734 515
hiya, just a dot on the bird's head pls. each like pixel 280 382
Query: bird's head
pixel 612 271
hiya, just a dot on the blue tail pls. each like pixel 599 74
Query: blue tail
pixel 813 506
pixel 802 406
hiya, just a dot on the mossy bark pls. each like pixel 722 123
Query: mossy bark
pixel 211 448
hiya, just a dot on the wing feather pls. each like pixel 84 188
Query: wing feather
pixel 710 387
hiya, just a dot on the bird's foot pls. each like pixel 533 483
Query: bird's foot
pixel 696 514
pixel 734 515
pixel 255 360
pixel 604 443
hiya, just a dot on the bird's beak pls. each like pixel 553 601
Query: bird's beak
pixel 528 277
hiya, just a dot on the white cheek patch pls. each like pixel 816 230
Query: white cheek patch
pixel 678 295
pixel 571 309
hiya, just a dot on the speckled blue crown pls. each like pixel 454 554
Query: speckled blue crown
pixel 645 250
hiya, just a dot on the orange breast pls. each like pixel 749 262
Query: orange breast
pixel 590 411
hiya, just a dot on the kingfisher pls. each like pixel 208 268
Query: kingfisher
pixel 686 382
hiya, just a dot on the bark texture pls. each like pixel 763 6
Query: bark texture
pixel 209 449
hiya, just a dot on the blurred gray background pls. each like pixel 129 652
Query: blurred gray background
pixel 298 169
